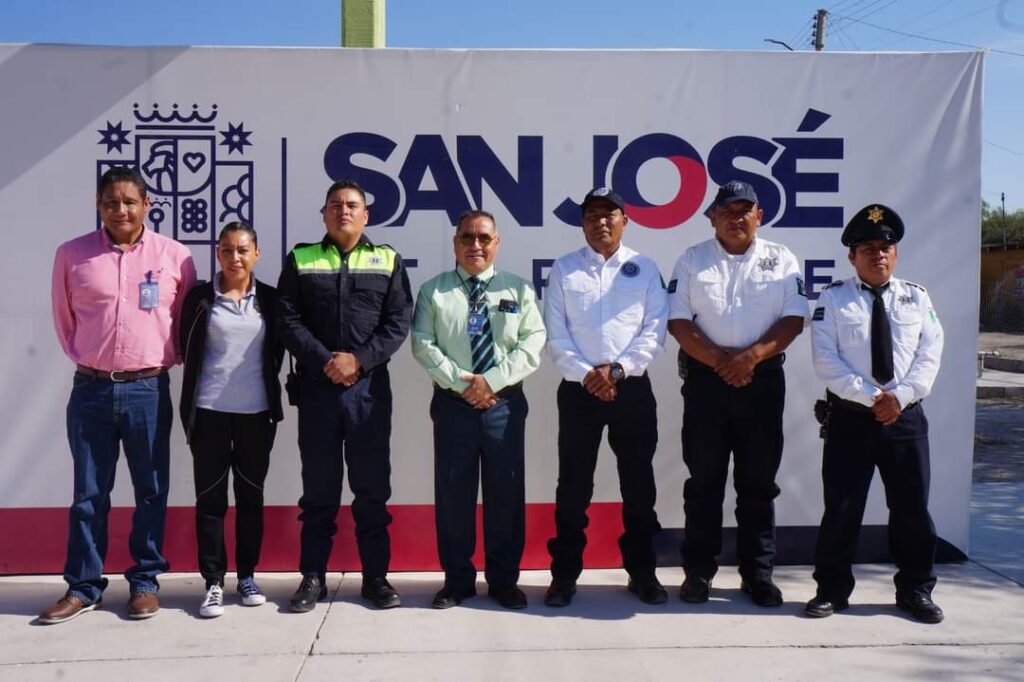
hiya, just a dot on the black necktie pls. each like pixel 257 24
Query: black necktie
pixel 482 344
pixel 881 338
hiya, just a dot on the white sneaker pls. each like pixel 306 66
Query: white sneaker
pixel 251 593
pixel 213 603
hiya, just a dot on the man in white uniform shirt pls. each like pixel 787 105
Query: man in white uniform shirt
pixel 736 303
pixel 605 314
pixel 876 343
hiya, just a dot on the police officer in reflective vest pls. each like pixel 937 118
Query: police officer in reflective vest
pixel 876 343
pixel 344 307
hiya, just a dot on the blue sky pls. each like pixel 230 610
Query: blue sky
pixel 855 25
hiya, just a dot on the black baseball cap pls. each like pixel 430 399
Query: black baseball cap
pixel 606 193
pixel 875 221
pixel 735 190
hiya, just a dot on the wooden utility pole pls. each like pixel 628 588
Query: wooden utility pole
pixel 819 29
pixel 362 23
pixel 1002 200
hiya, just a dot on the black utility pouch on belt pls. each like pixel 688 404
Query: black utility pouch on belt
pixel 821 409
pixel 291 383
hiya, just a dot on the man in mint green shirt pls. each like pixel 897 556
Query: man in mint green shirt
pixel 478 333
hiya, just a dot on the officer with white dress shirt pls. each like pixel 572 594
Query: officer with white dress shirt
pixel 605 311
pixel 876 343
pixel 736 303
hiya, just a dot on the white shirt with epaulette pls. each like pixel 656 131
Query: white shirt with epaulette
pixel 600 311
pixel 735 299
pixel 841 341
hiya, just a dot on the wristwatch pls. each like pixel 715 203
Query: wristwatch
pixel 617 373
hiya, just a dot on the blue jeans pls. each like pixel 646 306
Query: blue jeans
pixel 101 416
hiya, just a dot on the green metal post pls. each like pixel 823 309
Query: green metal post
pixel 362 23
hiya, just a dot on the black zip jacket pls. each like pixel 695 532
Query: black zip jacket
pixel 358 302
pixel 195 316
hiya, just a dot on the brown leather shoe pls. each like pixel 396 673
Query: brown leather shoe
pixel 64 609
pixel 143 605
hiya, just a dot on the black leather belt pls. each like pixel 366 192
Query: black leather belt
pixel 506 392
pixel 852 406
pixel 120 376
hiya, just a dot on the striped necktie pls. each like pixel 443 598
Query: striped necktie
pixel 482 344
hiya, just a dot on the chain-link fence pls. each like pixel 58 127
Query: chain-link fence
pixel 1002 290
pixel 1002 304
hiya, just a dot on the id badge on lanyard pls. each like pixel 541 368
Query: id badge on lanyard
pixel 475 322
pixel 149 293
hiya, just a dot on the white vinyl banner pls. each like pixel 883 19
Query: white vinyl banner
pixel 259 134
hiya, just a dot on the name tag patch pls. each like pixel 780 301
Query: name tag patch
pixel 508 306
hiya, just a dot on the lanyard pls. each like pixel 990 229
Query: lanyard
pixel 475 306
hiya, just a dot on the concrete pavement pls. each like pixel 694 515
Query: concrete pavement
pixel 605 634
pixel 995 383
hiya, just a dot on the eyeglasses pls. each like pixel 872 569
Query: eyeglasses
pixel 484 240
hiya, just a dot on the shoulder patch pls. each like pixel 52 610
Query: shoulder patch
pixel 315 259
pixel 819 314
pixel 833 283
pixel 800 287
pixel 672 286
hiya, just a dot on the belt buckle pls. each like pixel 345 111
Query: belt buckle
pixel 114 378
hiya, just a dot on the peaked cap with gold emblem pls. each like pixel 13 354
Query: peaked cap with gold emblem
pixel 874 221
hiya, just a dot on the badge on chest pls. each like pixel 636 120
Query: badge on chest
pixel 475 322
pixel 149 293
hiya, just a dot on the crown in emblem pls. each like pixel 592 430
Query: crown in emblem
pixel 175 116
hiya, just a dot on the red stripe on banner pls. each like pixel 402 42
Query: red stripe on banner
pixel 34 540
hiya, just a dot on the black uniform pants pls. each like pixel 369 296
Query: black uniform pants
pixel 855 443
pixel 632 421
pixel 719 419
pixel 224 442
pixel 471 447
pixel 345 426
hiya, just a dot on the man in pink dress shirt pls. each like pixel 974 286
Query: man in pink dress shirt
pixel 116 296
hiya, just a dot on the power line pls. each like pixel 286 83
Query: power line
pixel 843 32
pixel 933 10
pixel 948 23
pixel 849 8
pixel 837 21
pixel 937 40
pixel 801 35
pixel 1005 149
pixel 966 16
pixel 842 38
pixel 912 21
pixel 889 4
pixel 840 7
pixel 866 13
pixel 841 3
